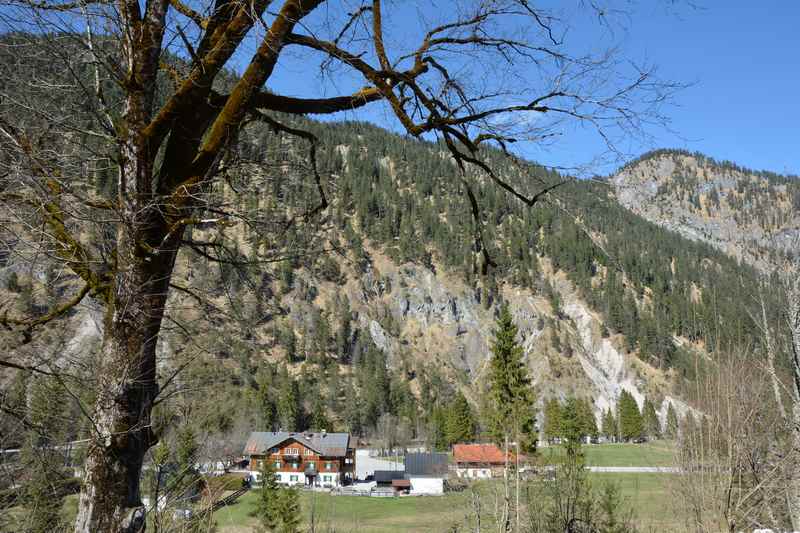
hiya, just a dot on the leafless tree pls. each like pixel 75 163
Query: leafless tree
pixel 137 91
pixel 731 475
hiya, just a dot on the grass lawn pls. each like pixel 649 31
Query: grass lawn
pixel 359 513
pixel 649 497
pixel 647 494
pixel 658 453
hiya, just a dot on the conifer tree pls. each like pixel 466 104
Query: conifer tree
pixel 552 419
pixel 586 419
pixel 41 497
pixel 319 419
pixel 652 426
pixel 511 412
pixel 672 423
pixel 571 426
pixel 268 508
pixel 460 423
pixel 289 511
pixel 289 405
pixel 609 425
pixel 629 417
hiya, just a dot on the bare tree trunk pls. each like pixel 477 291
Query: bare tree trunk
pixel 127 387
pixel 793 321
pixel 506 496
pixel 770 349
pixel 516 474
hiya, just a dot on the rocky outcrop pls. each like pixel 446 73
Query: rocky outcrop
pixel 741 212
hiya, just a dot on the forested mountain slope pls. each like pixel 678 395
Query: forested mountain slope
pixel 374 312
pixel 745 213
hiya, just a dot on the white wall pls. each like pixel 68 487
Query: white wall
pixel 427 485
pixel 475 473
pixel 283 478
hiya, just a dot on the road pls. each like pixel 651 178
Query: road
pixel 634 469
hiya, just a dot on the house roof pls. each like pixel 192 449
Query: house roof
pixel 325 444
pixel 426 464
pixel 386 476
pixel 479 453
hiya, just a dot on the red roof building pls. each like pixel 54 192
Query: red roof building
pixel 479 460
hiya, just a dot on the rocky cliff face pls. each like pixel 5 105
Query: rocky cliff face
pixel 438 320
pixel 744 213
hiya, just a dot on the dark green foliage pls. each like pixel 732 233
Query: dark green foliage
pixel 289 409
pixel 289 511
pixel 268 505
pixel 671 428
pixel 552 419
pixel 511 412
pixel 42 495
pixel 460 424
pixel 609 428
pixel 652 427
pixel 319 418
pixel 629 418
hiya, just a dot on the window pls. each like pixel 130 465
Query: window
pixel 277 464
pixel 293 478
pixel 328 466
pixel 309 452
pixel 327 478
pixel 312 465
pixel 291 451
pixel 274 451
pixel 295 465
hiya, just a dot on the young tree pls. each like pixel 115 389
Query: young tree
pixel 268 504
pixel 512 411
pixel 609 429
pixel 652 426
pixel 586 420
pixel 41 494
pixel 629 417
pixel 460 423
pixel 289 511
pixel 552 419
pixel 154 105
pixel 671 429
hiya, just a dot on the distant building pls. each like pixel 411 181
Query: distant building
pixel 426 472
pixel 392 479
pixel 479 461
pixel 314 459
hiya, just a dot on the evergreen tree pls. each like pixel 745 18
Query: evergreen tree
pixel 437 432
pixel 41 496
pixel 352 416
pixel 289 511
pixel 512 413
pixel 672 423
pixel 319 419
pixel 571 426
pixel 460 422
pixel 289 412
pixel 609 425
pixel 630 421
pixel 586 420
pixel 652 427
pixel 552 419
pixel 268 508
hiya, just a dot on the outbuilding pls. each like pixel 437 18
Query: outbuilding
pixel 426 472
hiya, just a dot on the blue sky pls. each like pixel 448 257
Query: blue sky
pixel 741 57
